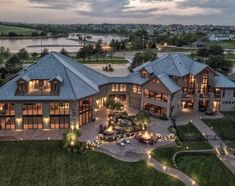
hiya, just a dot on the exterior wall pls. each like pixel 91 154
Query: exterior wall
pixel 18 116
pixel 158 87
pixel 46 115
pixel 134 98
pixel 176 103
pixel 227 102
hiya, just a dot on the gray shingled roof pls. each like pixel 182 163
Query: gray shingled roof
pixel 168 82
pixel 222 81
pixel 74 86
pixel 78 80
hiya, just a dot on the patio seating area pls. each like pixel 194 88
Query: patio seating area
pixel 119 133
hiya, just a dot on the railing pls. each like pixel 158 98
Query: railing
pixel 37 93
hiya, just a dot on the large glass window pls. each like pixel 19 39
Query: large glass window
pixel 59 115
pixel 119 87
pixel 59 108
pixel 189 88
pixel 7 116
pixel 32 122
pixel 7 109
pixel 39 86
pixel 136 89
pixel 123 87
pixel 85 108
pixel 155 95
pixel 32 109
pixel 7 122
pixel 59 122
pixel 156 110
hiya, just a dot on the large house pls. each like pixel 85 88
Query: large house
pixel 58 92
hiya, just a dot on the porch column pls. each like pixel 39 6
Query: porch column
pixel 18 116
pixel 196 102
pixel 46 115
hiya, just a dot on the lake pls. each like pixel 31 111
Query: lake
pixel 53 44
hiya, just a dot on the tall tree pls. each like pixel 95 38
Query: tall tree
pixel 64 52
pixel 23 54
pixel 98 49
pixel 44 52
pixel 13 64
pixel 34 55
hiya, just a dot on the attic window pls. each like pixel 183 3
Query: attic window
pixel 156 81
pixel 144 74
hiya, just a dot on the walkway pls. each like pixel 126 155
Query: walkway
pixel 172 172
pixel 135 156
pixel 195 118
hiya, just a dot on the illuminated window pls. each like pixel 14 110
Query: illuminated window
pixel 156 81
pixel 115 87
pixel 123 87
pixel 144 74
pixel 59 108
pixel 136 89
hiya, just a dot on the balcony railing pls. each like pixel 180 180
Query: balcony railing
pixel 38 93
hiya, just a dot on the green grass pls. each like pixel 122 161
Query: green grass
pixel 224 127
pixel 189 132
pixel 18 30
pixel 105 60
pixel 46 163
pixel 165 155
pixel 206 170
pixel 225 44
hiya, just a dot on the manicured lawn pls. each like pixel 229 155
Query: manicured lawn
pixel 224 127
pixel 189 132
pixel 165 155
pixel 18 30
pixel 46 163
pixel 105 60
pixel 206 170
pixel 224 44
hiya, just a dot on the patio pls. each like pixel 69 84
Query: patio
pixel 133 150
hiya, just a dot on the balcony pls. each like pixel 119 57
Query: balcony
pixel 38 93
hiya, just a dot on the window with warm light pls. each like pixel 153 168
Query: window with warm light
pixel 7 116
pixel 144 74
pixel 136 89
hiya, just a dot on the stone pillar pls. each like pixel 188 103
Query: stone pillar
pixel 196 102
pixel 18 116
pixel 74 112
pixel 46 115
pixel 93 108
pixel 168 111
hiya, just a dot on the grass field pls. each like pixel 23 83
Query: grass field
pixel 46 163
pixel 206 170
pixel 224 127
pixel 18 30
pixel 165 155
pixel 189 132
pixel 224 44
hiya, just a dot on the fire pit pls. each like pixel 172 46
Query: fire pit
pixel 146 138
pixel 109 130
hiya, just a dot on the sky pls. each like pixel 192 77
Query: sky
pixel 217 12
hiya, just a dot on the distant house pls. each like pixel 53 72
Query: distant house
pixel 198 44
pixel 220 37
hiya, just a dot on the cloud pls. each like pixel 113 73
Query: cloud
pixel 135 10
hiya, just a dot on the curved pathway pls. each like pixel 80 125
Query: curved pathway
pixel 172 172
pixel 133 157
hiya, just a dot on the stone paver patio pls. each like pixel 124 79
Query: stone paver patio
pixel 31 134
